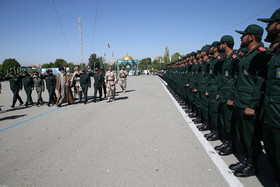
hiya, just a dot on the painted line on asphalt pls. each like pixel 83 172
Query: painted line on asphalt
pixel 216 158
pixel 28 120
pixel 76 101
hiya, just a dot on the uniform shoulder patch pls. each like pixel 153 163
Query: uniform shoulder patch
pixel 234 56
pixel 208 60
pixel 262 49
pixel 219 57
pixel 200 62
pixel 196 63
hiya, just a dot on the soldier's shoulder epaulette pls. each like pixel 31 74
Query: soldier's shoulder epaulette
pixel 262 49
pixel 200 62
pixel 234 56
pixel 196 63
pixel 219 57
pixel 208 60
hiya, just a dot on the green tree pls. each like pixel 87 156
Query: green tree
pixel 145 63
pixel 10 63
pixel 175 57
pixel 166 55
pixel 94 61
pixel 60 63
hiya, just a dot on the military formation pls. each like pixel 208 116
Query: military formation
pixel 65 87
pixel 235 94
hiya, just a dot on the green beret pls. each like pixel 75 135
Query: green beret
pixel 244 50
pixel 226 39
pixel 215 44
pixel 252 29
pixel 275 16
pixel 206 48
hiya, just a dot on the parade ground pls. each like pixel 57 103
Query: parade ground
pixel 143 138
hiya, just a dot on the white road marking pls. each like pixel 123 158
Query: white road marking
pixel 218 161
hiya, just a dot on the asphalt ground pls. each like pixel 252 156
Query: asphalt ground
pixel 141 139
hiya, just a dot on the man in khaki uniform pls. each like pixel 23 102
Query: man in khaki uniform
pixel 122 78
pixel 110 82
pixel 75 81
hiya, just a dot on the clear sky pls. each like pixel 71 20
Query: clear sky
pixel 31 33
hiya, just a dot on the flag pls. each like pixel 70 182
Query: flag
pixel 112 54
pixel 108 45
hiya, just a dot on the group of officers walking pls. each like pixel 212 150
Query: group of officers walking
pixel 236 92
pixel 60 87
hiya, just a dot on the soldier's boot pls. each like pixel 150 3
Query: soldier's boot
pixel 203 124
pixel 227 150
pixel 199 118
pixel 37 104
pixel 190 109
pixel 108 100
pixel 94 99
pixel 239 165
pixel 194 114
pixel 249 170
pixel 206 127
pixel 209 134
pixel 26 104
pixel 222 146
pixel 215 136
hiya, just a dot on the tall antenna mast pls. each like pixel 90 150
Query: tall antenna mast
pixel 81 41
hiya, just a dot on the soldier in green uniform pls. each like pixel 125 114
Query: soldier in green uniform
pixel 247 98
pixel 191 83
pixel 206 60
pixel 271 106
pixel 98 82
pixel 226 85
pixel 103 83
pixel 212 88
pixel 28 86
pixel 85 82
pixel 40 87
pixel 16 86
pixel 50 80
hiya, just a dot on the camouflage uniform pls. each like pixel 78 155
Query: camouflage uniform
pixel 122 79
pixel 110 80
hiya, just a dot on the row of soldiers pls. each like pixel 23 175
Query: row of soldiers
pixel 60 87
pixel 236 92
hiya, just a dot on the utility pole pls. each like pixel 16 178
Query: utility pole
pixel 81 41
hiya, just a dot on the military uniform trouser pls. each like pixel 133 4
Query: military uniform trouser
pixel 110 89
pixel 39 95
pixel 99 88
pixel 213 112
pixel 197 101
pixel 188 95
pixel 16 96
pixel 52 96
pixel 123 83
pixel 272 147
pixel 204 105
pixel 28 96
pixel 104 89
pixel 85 92
pixel 226 120
pixel 249 133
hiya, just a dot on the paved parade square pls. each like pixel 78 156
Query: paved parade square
pixel 141 139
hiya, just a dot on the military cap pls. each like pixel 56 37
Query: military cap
pixel 252 29
pixel 61 68
pixel 206 48
pixel 226 39
pixel 193 53
pixel 198 51
pixel 275 16
pixel 215 44
pixel 244 50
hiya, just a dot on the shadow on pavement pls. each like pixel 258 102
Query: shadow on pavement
pixel 127 91
pixel 12 117
pixel 121 98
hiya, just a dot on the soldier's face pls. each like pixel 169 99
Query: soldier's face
pixel 222 47
pixel 110 68
pixel 273 30
pixel 244 41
